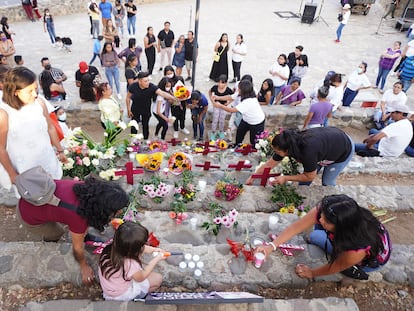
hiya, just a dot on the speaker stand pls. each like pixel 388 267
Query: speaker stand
pixel 299 14
pixel 319 17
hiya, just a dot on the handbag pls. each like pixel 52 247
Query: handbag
pixel 217 55
pixel 340 17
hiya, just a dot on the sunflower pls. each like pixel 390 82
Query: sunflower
pixel 222 144
pixel 179 162
pixel 151 162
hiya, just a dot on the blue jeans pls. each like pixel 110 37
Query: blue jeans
pixel 199 125
pixel 359 147
pixel 332 171
pixel 277 90
pixel 319 238
pixel 112 73
pixel 51 31
pixel 409 151
pixel 406 84
pixel 339 31
pixel 382 76
pixel 95 55
pixel 348 97
pixel 131 21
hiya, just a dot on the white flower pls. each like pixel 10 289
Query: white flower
pixel 122 125
pixel 93 153
pixel 263 154
pixel 86 161
pixel 76 131
pixel 285 161
pixel 133 123
pixel 95 162
pixel 69 164
pixel 257 146
pixel 106 134
pixel 139 136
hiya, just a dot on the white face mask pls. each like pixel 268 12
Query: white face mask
pixel 360 70
pixel 167 89
pixel 170 76
pixel 62 117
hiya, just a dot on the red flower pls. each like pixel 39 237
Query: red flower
pixel 152 240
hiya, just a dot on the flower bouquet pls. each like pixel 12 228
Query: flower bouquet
pixel 228 189
pixel 154 188
pixel 301 210
pixel 219 217
pixel 179 162
pixel 150 162
pixel 290 166
pixel 181 92
pixel 286 197
pixel 158 145
pixel 264 143
pixel 220 144
pixel 184 192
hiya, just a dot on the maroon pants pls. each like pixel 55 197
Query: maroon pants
pixel 28 9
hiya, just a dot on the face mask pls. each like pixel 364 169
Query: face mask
pixel 48 66
pixel 167 89
pixel 62 117
pixel 3 39
pixel 360 70
pixel 170 76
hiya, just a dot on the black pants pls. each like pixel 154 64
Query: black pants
pixel 150 53
pixel 162 124
pixel 244 127
pixel 144 119
pixel 179 113
pixel 90 20
pixel 236 69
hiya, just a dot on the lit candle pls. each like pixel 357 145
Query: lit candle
pixel 193 223
pixel 202 184
pixel 200 265
pixel 197 273
pixel 182 266
pixel 191 265
pixel 273 220
pixel 246 162
pixel 188 257
pixel 196 258
pixel 166 170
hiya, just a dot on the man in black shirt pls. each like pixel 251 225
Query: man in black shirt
pixel 293 56
pixel 189 49
pixel 141 93
pixel 166 44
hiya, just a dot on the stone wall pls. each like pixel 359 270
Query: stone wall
pixel 14 10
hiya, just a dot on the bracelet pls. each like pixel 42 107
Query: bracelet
pixel 273 245
pixel 59 151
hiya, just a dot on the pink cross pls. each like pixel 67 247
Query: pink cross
pixel 207 165
pixel 240 165
pixel 245 151
pixel 129 172
pixel 174 142
pixel 264 176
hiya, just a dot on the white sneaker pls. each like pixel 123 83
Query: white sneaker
pixel 185 131
pixel 119 96
pixel 175 135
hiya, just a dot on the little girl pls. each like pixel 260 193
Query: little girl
pixel 121 274
pixel 49 25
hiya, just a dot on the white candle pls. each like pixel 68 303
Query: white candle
pixel 197 273
pixel 166 170
pixel 182 266
pixel 132 156
pixel 193 223
pixel 200 265
pixel 196 258
pixel 246 162
pixel 273 220
pixel 202 184
pixel 191 265
pixel 188 257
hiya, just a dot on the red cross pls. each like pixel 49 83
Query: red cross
pixel 264 176
pixel 245 151
pixel 240 165
pixel 129 172
pixel 207 165
pixel 174 142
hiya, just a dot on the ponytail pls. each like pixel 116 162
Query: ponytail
pixel 289 140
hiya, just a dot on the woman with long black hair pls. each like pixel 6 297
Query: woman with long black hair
pixel 356 241
pixel 327 147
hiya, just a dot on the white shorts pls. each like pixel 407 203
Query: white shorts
pixel 136 289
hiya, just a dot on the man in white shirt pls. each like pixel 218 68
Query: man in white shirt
pixel 391 140
pixel 391 98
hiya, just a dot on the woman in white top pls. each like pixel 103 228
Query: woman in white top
pixel 161 109
pixel 239 51
pixel 27 135
pixel 280 73
pixel 253 115
pixel 357 80
pixel 346 13
pixel 109 107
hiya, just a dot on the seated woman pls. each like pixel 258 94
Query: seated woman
pixel 266 93
pixel 290 94
pixel 52 90
pixel 356 241
pixel 319 111
pixel 110 109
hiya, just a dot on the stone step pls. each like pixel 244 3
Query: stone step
pixel 330 303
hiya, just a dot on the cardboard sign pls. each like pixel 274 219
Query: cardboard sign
pixel 202 298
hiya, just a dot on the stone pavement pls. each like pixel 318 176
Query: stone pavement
pixel 266 36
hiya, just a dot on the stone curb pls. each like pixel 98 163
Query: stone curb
pixel 330 303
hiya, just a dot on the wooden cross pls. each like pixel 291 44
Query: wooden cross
pixel 240 165
pixel 129 172
pixel 264 176
pixel 206 149
pixel 174 142
pixel 245 151
pixel 207 165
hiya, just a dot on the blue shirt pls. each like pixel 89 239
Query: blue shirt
pixel 106 9
pixel 97 47
pixel 201 105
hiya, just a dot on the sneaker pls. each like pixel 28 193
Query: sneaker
pixel 381 91
pixel 337 41
pixel 221 135
pixel 185 131
pixel 233 81
pixel 200 139
pixel 188 79
pixel 212 136
pixel 119 96
pixel 175 135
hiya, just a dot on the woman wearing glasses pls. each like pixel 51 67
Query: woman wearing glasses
pixel 355 240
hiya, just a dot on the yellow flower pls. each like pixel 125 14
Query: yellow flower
pixel 291 209
pixel 283 210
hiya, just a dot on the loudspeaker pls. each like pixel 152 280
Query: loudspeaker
pixel 309 13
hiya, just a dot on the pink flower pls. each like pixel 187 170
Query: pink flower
pixel 178 190
pixel 217 220
pixel 233 213
pixel 178 221
pixel 224 219
pixel 76 178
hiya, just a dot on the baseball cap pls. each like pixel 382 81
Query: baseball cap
pixel 347 6
pixel 400 108
pixel 83 67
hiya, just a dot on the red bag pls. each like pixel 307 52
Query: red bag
pixel 55 122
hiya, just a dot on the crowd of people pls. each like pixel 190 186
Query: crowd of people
pixel 25 120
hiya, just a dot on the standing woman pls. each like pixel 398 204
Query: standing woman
pixel 239 51
pixel 357 81
pixel 253 117
pixel 219 114
pixel 7 48
pixel 131 17
pixel 95 15
pixel 161 108
pixel 131 71
pixel 343 20
pixel 179 55
pixel 110 31
pixel 280 73
pixel 220 62
pixel 49 26
pixel 27 135
pixel 150 43
pixel 110 62
pixel 36 9
pixel 110 109
pixel 6 29
pixel 327 147
pixel 119 13
pixel 386 63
